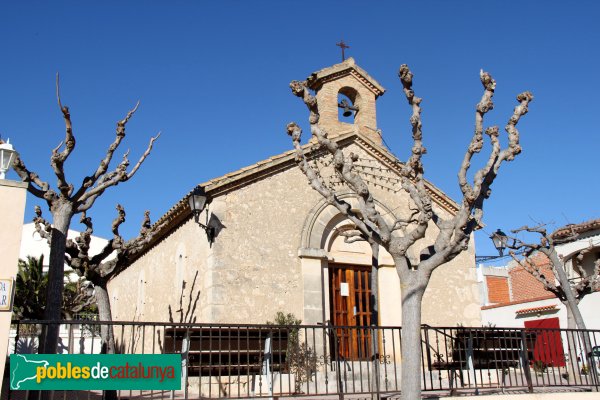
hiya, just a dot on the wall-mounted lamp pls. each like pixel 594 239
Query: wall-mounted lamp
pixel 7 155
pixel 198 200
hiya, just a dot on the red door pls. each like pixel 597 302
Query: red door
pixel 548 344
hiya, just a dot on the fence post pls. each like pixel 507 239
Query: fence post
pixel 525 361
pixel 375 345
pixel 338 371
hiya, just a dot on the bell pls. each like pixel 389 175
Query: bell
pixel 347 111
pixel 347 108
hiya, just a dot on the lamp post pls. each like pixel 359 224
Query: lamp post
pixel 7 155
pixel 500 239
pixel 197 201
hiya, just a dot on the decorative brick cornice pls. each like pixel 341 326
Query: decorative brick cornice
pixel 337 71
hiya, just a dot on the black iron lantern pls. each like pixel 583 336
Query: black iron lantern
pixel 500 239
pixel 197 201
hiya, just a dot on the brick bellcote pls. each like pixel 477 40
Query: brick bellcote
pixel 347 81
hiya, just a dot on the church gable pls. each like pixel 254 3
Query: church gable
pixel 278 245
pixel 383 176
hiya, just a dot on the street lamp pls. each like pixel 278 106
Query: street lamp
pixel 7 154
pixel 198 200
pixel 500 239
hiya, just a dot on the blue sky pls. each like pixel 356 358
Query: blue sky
pixel 213 78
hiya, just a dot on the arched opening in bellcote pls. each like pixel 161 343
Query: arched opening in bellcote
pixel 349 102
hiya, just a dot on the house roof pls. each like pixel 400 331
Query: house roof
pixel 535 310
pixel 181 211
pixel 347 67
pixel 570 229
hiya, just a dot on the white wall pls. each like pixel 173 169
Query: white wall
pixel 33 245
pixel 505 316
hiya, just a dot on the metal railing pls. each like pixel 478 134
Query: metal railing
pixel 247 361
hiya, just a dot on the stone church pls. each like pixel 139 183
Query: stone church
pixel 277 244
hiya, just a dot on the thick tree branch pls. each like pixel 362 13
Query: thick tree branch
pixel 42 190
pixel 89 181
pixel 485 104
pixel 120 174
pixel 412 172
pixel 58 159
pixel 352 235
pixel 414 165
pixel 42 226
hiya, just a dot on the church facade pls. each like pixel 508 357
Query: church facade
pixel 277 243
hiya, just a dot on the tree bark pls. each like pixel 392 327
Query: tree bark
pixel 561 275
pixel 106 331
pixel 412 297
pixel 576 313
pixel 104 314
pixel 61 220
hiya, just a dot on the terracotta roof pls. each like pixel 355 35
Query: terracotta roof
pixel 535 310
pixel 568 230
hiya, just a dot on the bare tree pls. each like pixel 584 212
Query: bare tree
pixel 67 202
pixel 101 267
pixel 569 293
pixel 453 234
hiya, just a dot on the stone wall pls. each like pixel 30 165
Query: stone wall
pixel 258 264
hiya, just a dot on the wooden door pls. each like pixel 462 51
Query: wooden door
pixel 351 312
pixel 548 344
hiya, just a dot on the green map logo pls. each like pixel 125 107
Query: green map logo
pixel 23 370
pixel 95 371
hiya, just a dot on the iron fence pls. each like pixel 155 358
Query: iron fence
pixel 247 361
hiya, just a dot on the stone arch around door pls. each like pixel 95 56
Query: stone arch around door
pixel 318 253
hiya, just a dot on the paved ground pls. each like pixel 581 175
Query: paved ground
pixel 137 395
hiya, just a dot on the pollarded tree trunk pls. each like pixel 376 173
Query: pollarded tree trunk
pixel 104 314
pixel 572 365
pixel 413 284
pixel 411 341
pixel 106 331
pixel 62 219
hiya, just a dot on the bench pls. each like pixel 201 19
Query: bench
pixel 230 351
pixel 470 349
